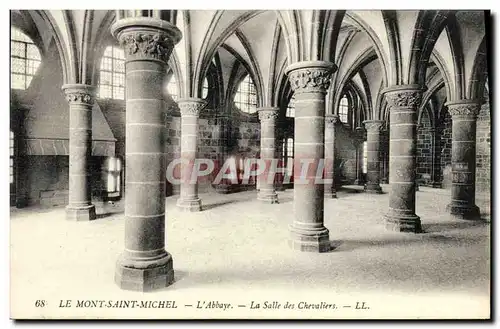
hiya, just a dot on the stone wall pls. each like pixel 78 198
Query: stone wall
pixel 424 148
pixel 445 149
pixel 345 154
pixel 483 149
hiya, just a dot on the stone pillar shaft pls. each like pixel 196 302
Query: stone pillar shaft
pixel 81 99
pixel 373 144
pixel 190 110
pixel 403 102
pixel 145 264
pixel 463 159
pixel 310 82
pixel 267 117
pixel 330 122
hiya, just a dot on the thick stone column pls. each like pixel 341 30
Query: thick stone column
pixel 310 82
pixel 190 111
pixel 145 264
pixel 403 102
pixel 267 117
pixel 330 122
pixel 81 99
pixel 463 158
pixel 373 144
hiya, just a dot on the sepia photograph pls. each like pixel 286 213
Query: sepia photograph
pixel 313 164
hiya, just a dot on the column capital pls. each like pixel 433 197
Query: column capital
pixel 310 76
pixel 146 37
pixel 374 125
pixel 268 113
pixel 191 107
pixel 464 108
pixel 79 93
pixel 331 120
pixel 404 95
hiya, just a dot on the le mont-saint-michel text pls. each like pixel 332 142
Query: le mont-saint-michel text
pixel 211 304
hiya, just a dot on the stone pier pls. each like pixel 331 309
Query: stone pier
pixel 81 100
pixel 145 264
pixel 309 81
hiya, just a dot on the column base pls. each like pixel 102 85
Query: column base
pixel 80 213
pixel 310 240
pixel 464 211
pixel 267 197
pixel 384 181
pixel 189 205
pixel 143 275
pixel 402 222
pixel 373 188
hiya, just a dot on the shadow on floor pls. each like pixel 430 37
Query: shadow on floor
pixel 218 204
pixel 446 226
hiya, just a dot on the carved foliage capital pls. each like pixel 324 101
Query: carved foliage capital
pixel 267 115
pixel 191 108
pixel 314 79
pixel 464 110
pixel 374 126
pixel 150 45
pixel 331 120
pixel 79 96
pixel 410 98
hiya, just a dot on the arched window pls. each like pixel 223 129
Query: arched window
pixel 246 96
pixel 290 110
pixel 204 91
pixel 172 88
pixel 24 59
pixel 112 74
pixel 343 109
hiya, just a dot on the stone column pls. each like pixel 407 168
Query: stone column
pixel 373 145
pixel 403 102
pixel 309 81
pixel 190 110
pixel 145 264
pixel 463 159
pixel 330 122
pixel 267 117
pixel 81 99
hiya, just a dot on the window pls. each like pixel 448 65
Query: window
pixel 290 110
pixel 172 88
pixel 343 109
pixel 365 157
pixel 11 157
pixel 204 91
pixel 114 168
pixel 24 59
pixel 288 155
pixel 246 96
pixel 112 74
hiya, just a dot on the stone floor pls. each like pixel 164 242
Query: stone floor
pixel 236 252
